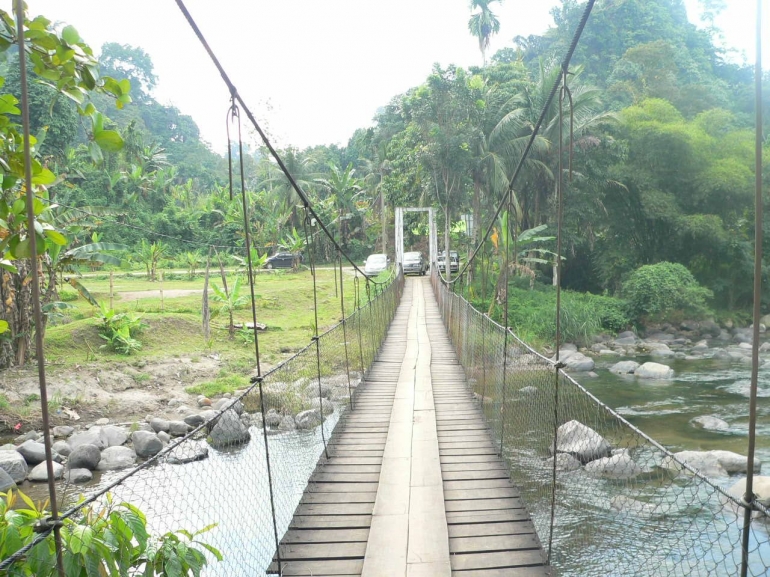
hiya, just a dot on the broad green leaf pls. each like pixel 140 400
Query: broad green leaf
pixel 4 326
pixel 18 206
pixel 95 152
pixel 6 265
pixel 70 35
pixel 8 104
pixel 22 249
pixel 44 177
pixel 125 85
pixel 108 140
pixel 56 237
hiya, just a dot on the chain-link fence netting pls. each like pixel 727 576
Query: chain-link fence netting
pixel 238 469
pixel 612 501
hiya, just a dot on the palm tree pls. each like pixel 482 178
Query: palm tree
pixel 229 301
pixel 483 24
pixel 344 187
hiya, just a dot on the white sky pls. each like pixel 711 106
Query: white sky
pixel 312 71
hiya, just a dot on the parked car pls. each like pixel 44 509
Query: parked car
pixel 375 264
pixel 282 260
pixel 454 261
pixel 415 263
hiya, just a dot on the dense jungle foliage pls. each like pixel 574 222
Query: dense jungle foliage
pixel 663 161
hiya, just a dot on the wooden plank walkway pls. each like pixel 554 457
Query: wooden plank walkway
pixel 413 485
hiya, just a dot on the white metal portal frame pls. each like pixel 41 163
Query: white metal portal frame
pixel 433 236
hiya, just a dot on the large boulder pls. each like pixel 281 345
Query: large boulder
pixel 581 442
pixel 578 362
pixel 624 367
pixel 90 437
pixel 654 371
pixel 159 425
pixel 84 457
pixel 14 464
pixel 5 481
pixel 272 418
pixel 78 476
pixel 113 436
pixel 116 458
pixel 620 466
pixel 178 428
pixel 229 430
pixel 188 452
pixel 287 424
pixel 224 404
pixel 63 431
pixel 711 463
pixel 40 473
pixel 309 419
pixel 709 423
pixel 62 448
pixel 32 451
pixel 564 462
pixel 194 420
pixel 760 488
pixel 146 444
pixel 328 406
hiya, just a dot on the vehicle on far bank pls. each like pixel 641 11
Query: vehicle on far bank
pixel 283 260
pixel 454 261
pixel 375 264
pixel 415 263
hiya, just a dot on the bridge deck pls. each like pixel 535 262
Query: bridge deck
pixel 413 485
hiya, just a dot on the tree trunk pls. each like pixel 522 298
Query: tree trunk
pixel 447 257
pixel 476 221
pixel 384 221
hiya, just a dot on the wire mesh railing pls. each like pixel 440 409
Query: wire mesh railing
pixel 606 498
pixel 238 469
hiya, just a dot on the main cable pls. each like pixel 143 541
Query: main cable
pixel 235 96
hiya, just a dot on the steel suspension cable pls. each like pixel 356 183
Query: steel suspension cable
pixel 53 522
pixel 345 335
pixel 535 130
pixel 749 497
pixel 508 236
pixel 277 157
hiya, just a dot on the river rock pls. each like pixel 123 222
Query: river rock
pixel 194 420
pixel 760 487
pixel 608 353
pixel 287 424
pixel 101 422
pixel 620 466
pixel 6 482
pixel 272 419
pixel 14 464
pixel 90 437
pixel 710 423
pixel 116 458
pixel 204 401
pixel 188 452
pixel 700 346
pixel 578 362
pixel 164 437
pixel 113 436
pixel 159 425
pixel 40 472
pixel 663 353
pixel 32 451
pixel 721 354
pixel 84 457
pixel 63 431
pixel 564 462
pixel 581 442
pixel 654 371
pixel 309 419
pixel 208 415
pixel 224 404
pixel 328 406
pixel 735 463
pixel 624 367
pixel 711 463
pixel 62 448
pixel 78 476
pixel 229 430
pixel 178 428
pixel 146 444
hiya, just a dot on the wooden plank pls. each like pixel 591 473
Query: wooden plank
pixel 488 544
pixel 333 467
pixel 475 493
pixel 483 504
pixel 321 477
pixel 454 467
pixel 346 497
pixel 325 535
pixel 465 517
pixel 497 560
pixel 331 522
pixel 294 551
pixel 341 487
pixel 491 529
pixel 468 475
pixel 476 483
pixel 335 509
pixel 512 572
pixel 318 568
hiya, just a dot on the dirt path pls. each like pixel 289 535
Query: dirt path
pixel 155 294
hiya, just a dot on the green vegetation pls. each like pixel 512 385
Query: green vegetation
pixel 108 540
pixel 120 330
pixel 219 386
pixel 656 290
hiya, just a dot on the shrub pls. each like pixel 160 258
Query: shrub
pixel 658 289
pixel 66 295
pixel 120 330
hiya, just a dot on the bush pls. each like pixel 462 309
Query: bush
pixel 655 290
pixel 66 295
pixel 120 330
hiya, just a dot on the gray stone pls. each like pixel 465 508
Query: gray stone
pixel 710 423
pixel 188 452
pixel 608 353
pixel 229 430
pixel 194 420
pixel 581 442
pixel 5 481
pixel 113 436
pixel 164 437
pixel 40 473
pixel 287 424
pixel 328 406
pixel 208 414
pixel 764 347
pixel 159 425
pixel 146 444
pixel 308 419
pixel 116 458
pixel 90 437
pixel 660 337
pixel 63 431
pixel 103 421
pixel 624 367
pixel 620 466
pixel 204 401
pixel 78 476
pixel 689 325
pixel 662 354
pixel 623 503
pixel 564 462
pixel 14 464
pixel 178 428
pixel 32 451
pixel 700 346
pixel 62 448
pixel 176 402
pixel 184 410
pixel 627 334
pixel 760 488
pixel 578 362
pixel 272 419
pixel 528 390
pixel 712 463
pixel 653 346
pixel 84 457
pixel 721 354
pixel 224 404
pixel 625 341
pixel 654 371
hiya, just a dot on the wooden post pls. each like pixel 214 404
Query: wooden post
pixel 111 291
pixel 205 312
pixel 161 291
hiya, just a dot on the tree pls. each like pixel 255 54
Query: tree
pixel 229 301
pixel 149 254
pixel 483 25
pixel 132 63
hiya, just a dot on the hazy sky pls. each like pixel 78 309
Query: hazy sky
pixel 312 71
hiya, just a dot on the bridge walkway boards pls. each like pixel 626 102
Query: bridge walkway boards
pixel 413 486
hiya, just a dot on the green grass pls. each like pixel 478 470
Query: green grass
pixel 219 386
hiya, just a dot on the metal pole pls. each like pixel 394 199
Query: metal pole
pixel 749 496
pixel 39 328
